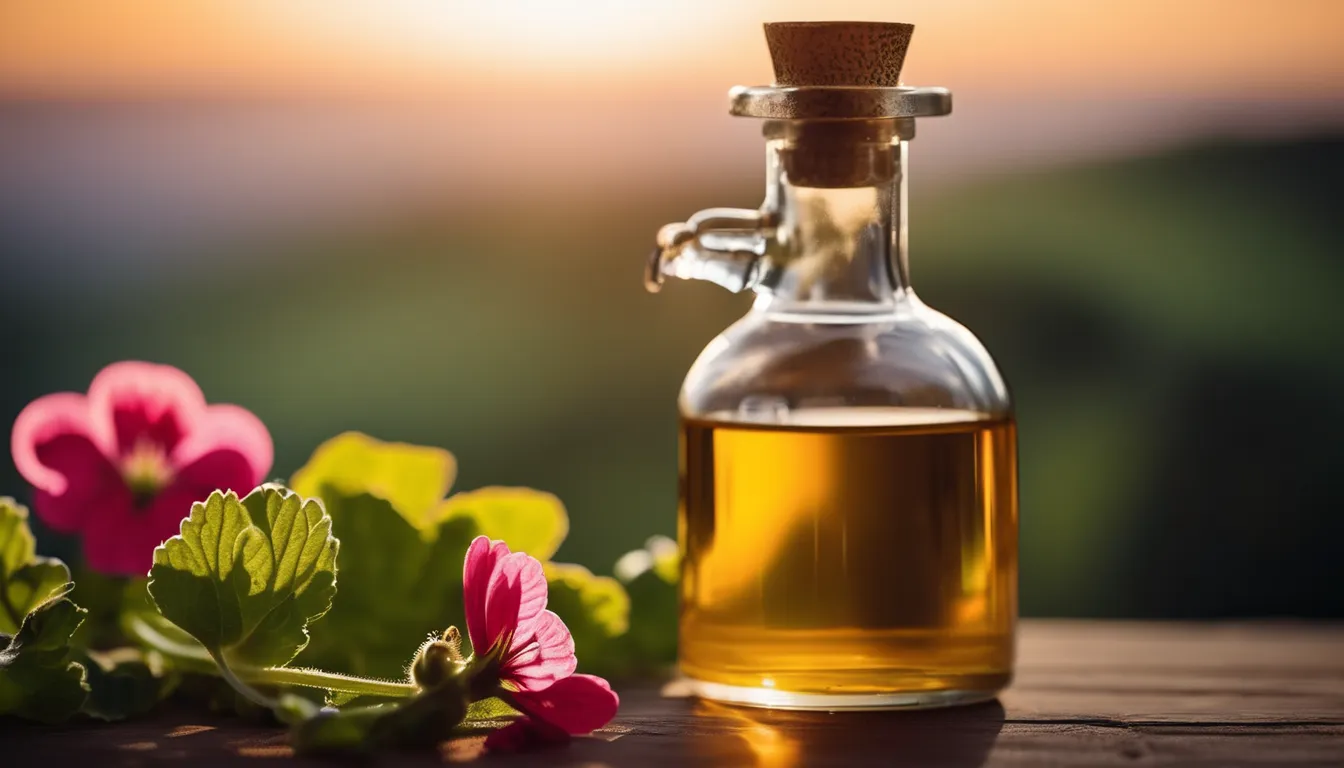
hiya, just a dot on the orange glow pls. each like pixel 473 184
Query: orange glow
pixel 770 747
pixel 437 47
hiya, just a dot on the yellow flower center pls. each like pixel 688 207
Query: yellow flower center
pixel 146 470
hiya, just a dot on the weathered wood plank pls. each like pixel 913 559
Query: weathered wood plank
pixel 1179 673
pixel 1277 648
pixel 1087 694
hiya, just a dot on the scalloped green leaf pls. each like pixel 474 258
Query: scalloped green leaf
pixel 527 520
pixel 38 680
pixel 413 478
pixel 245 577
pixel 26 580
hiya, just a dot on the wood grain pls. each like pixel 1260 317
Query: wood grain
pixel 1088 693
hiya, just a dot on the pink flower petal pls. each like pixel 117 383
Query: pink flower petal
pixel 477 569
pixel 224 470
pixel 526 571
pixel 64 413
pixel 120 539
pixel 59 450
pixel 91 484
pixel 501 607
pixel 145 402
pixel 116 540
pixel 504 593
pixel 524 734
pixel 547 656
pixel 163 518
pixel 577 704
pixel 232 430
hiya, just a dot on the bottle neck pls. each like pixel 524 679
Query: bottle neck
pixel 839 203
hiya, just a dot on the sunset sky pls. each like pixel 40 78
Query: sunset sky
pixel 379 47
pixel 239 111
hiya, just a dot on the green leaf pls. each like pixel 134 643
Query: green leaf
pixel 38 681
pixel 322 730
pixel 493 708
pixel 342 699
pixel 25 579
pixel 660 555
pixel 413 478
pixel 528 521
pixel 595 608
pixel 398 585
pixel 244 578
pixel 124 683
pixel 652 640
pixel 650 576
pixel 420 721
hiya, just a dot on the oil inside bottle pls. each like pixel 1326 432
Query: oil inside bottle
pixel 856 552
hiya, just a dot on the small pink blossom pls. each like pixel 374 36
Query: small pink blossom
pixel 122 465
pixel 504 594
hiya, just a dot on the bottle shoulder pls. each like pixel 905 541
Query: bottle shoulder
pixel 915 357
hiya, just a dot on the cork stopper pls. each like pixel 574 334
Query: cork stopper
pixel 853 53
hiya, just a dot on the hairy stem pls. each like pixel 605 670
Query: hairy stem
pixel 331 681
pixel 192 655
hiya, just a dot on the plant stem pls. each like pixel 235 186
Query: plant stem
pixel 248 692
pixel 331 681
pixel 182 651
pixel 194 656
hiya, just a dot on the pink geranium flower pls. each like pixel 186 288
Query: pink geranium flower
pixel 122 465
pixel 504 596
pixel 528 649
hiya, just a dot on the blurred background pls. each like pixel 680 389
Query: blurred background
pixel 427 220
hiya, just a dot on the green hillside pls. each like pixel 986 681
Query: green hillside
pixel 1170 327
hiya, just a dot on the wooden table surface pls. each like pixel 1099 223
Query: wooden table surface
pixel 1087 693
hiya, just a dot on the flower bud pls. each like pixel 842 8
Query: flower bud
pixel 438 660
pixel 454 638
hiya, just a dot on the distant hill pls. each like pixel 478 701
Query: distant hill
pixel 1171 327
pixel 1174 332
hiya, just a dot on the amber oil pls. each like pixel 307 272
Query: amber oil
pixel 850 558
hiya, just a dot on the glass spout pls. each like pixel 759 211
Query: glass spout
pixel 722 245
pixel 830 237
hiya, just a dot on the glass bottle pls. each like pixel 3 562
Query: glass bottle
pixel 848 499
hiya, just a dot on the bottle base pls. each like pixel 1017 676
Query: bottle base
pixel 771 698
